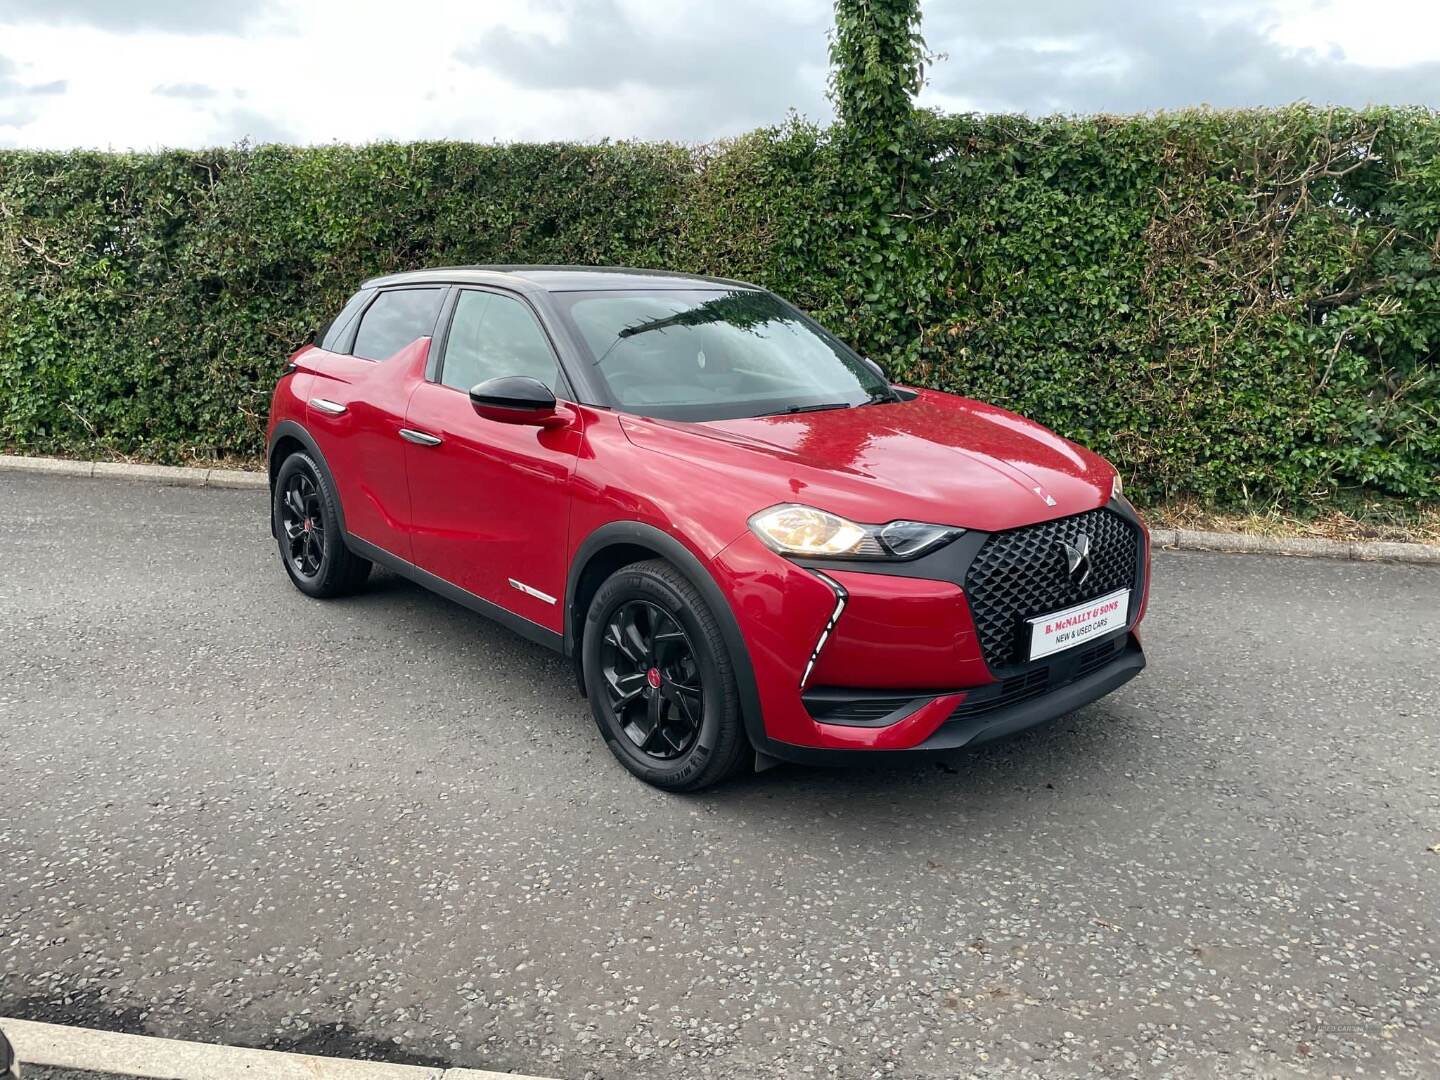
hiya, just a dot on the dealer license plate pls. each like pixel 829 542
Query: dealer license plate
pixel 1061 630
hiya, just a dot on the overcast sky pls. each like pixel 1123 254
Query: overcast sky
pixel 139 74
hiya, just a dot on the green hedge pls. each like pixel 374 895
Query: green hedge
pixel 1234 306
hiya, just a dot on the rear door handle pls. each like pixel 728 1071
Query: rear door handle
pixel 420 438
pixel 325 405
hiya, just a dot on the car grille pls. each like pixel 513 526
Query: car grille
pixel 1038 681
pixel 1011 692
pixel 1022 573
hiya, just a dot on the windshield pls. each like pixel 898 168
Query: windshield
pixel 715 354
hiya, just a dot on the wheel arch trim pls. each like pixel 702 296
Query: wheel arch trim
pixel 291 429
pixel 667 547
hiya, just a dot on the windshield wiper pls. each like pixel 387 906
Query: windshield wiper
pixel 885 397
pixel 814 408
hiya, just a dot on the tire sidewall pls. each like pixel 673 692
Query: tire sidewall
pixel 624 586
pixel 300 462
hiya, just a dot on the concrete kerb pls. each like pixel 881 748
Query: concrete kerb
pixel 54 1046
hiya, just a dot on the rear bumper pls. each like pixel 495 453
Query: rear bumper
pixel 964 730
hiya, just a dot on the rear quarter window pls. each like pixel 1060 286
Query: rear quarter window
pixel 331 339
pixel 394 320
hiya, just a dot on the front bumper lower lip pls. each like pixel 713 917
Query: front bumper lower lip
pixel 987 727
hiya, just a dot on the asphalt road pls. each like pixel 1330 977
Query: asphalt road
pixel 385 827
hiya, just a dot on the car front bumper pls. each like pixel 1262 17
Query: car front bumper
pixel 893 657
pixel 957 730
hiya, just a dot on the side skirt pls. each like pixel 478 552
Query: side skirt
pixel 508 619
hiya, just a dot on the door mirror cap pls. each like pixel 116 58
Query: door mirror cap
pixel 876 368
pixel 517 399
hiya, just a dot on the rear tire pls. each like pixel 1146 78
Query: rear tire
pixel 660 681
pixel 307 527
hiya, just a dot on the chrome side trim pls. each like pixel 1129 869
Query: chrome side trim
pixel 420 438
pixel 325 405
pixel 529 591
pixel 841 596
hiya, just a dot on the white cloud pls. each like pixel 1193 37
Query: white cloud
pixel 1127 56
pixel 1377 33
pixel 148 73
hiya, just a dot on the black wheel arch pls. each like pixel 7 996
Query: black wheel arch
pixel 284 440
pixel 623 542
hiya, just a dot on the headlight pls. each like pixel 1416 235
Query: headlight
pixel 1117 487
pixel 792 529
pixel 906 539
pixel 803 530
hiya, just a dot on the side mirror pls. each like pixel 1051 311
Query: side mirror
pixel 516 399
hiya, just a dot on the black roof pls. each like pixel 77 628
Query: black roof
pixel 556 278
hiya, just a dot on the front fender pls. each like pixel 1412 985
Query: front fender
pixel 666 546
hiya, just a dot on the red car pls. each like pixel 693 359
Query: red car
pixel 752 546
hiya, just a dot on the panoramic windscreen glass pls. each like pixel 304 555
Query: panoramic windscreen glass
pixel 715 354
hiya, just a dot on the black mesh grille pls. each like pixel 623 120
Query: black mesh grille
pixel 1022 573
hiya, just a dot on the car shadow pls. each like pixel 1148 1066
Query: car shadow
pixel 952 809
pixel 1063 750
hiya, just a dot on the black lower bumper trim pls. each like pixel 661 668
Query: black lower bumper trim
pixel 862 708
pixel 964 732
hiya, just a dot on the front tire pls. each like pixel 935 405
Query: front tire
pixel 308 530
pixel 660 681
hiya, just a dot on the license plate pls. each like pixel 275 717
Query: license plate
pixel 1061 630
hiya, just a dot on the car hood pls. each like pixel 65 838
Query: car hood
pixel 938 458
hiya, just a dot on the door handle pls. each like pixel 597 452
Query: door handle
pixel 325 405
pixel 420 438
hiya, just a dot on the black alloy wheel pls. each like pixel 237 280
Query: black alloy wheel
pixel 307 528
pixel 302 524
pixel 661 681
pixel 652 680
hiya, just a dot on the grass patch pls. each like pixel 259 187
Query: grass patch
pixel 1387 520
